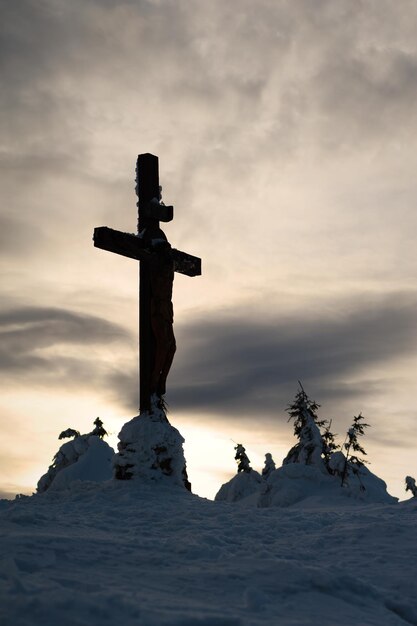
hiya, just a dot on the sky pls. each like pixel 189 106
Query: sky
pixel 286 133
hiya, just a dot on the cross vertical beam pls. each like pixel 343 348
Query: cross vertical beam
pixel 147 173
pixel 155 279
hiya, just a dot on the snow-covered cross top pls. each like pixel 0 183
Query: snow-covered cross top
pixel 159 262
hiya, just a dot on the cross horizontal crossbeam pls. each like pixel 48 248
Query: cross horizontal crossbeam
pixel 134 247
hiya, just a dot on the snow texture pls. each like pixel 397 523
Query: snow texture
pixel 150 449
pixel 296 483
pixel 244 486
pixel 140 554
pixel 87 457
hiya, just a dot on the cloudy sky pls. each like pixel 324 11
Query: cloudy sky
pixel 287 137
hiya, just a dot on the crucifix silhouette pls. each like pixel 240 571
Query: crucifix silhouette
pixel 158 262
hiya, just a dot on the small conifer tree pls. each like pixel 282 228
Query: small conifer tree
pixel 242 459
pixel 99 430
pixel 269 465
pixel 310 448
pixel 329 444
pixel 410 485
pixel 352 461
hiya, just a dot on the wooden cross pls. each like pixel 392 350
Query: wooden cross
pixel 151 212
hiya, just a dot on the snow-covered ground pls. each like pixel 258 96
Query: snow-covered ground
pixel 129 554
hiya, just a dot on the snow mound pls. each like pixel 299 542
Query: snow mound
pixel 150 448
pixel 87 457
pixel 244 487
pixel 296 483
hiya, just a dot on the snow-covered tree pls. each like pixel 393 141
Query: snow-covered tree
pixel 151 449
pixel 329 445
pixel 242 459
pixel 310 448
pixel 269 465
pixel 84 457
pixel 99 430
pixel 352 461
pixel 410 485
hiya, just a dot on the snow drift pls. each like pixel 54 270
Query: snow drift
pixel 296 483
pixel 86 457
pixel 244 487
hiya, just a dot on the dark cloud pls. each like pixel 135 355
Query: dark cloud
pixel 34 344
pixel 124 386
pixel 246 366
pixel 240 366
pixel 34 327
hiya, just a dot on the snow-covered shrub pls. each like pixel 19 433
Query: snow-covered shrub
pixel 295 483
pixel 151 449
pixel 269 465
pixel 86 457
pixel 243 462
pixel 314 469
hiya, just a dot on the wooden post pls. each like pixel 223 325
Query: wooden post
pixel 148 188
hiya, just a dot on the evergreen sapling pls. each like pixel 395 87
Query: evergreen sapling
pixel 410 485
pixel 352 461
pixel 329 445
pixel 99 430
pixel 269 466
pixel 311 448
pixel 242 459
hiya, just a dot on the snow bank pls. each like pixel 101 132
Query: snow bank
pixel 306 485
pixel 95 465
pixel 87 457
pixel 244 487
pixel 295 483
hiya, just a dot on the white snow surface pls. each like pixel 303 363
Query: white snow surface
pixel 244 488
pixel 152 554
pixel 94 465
pixel 296 483
pixel 86 457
